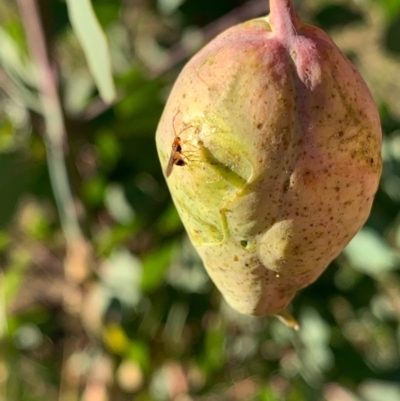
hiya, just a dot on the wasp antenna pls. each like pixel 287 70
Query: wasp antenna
pixel 173 122
pixel 173 125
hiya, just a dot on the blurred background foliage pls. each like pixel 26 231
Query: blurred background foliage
pixel 102 296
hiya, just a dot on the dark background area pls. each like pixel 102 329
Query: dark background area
pixel 110 301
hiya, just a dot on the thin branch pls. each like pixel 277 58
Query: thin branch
pixel 55 132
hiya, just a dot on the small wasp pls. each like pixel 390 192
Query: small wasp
pixel 176 157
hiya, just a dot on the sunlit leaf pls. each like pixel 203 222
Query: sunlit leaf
pixel 267 394
pixel 94 44
pixel 117 205
pixel 121 275
pixel 370 254
pixel 11 60
pixel 391 7
pixel 115 339
pixel 374 390
pixel 19 71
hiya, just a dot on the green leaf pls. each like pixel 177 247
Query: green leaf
pixel 335 15
pixel 94 44
pixel 392 35
pixel 18 175
pixel 370 254
pixel 12 61
pixel 155 265
pixel 19 70
pixel 267 394
pixel 214 347
pixel 140 353
pixel 391 7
